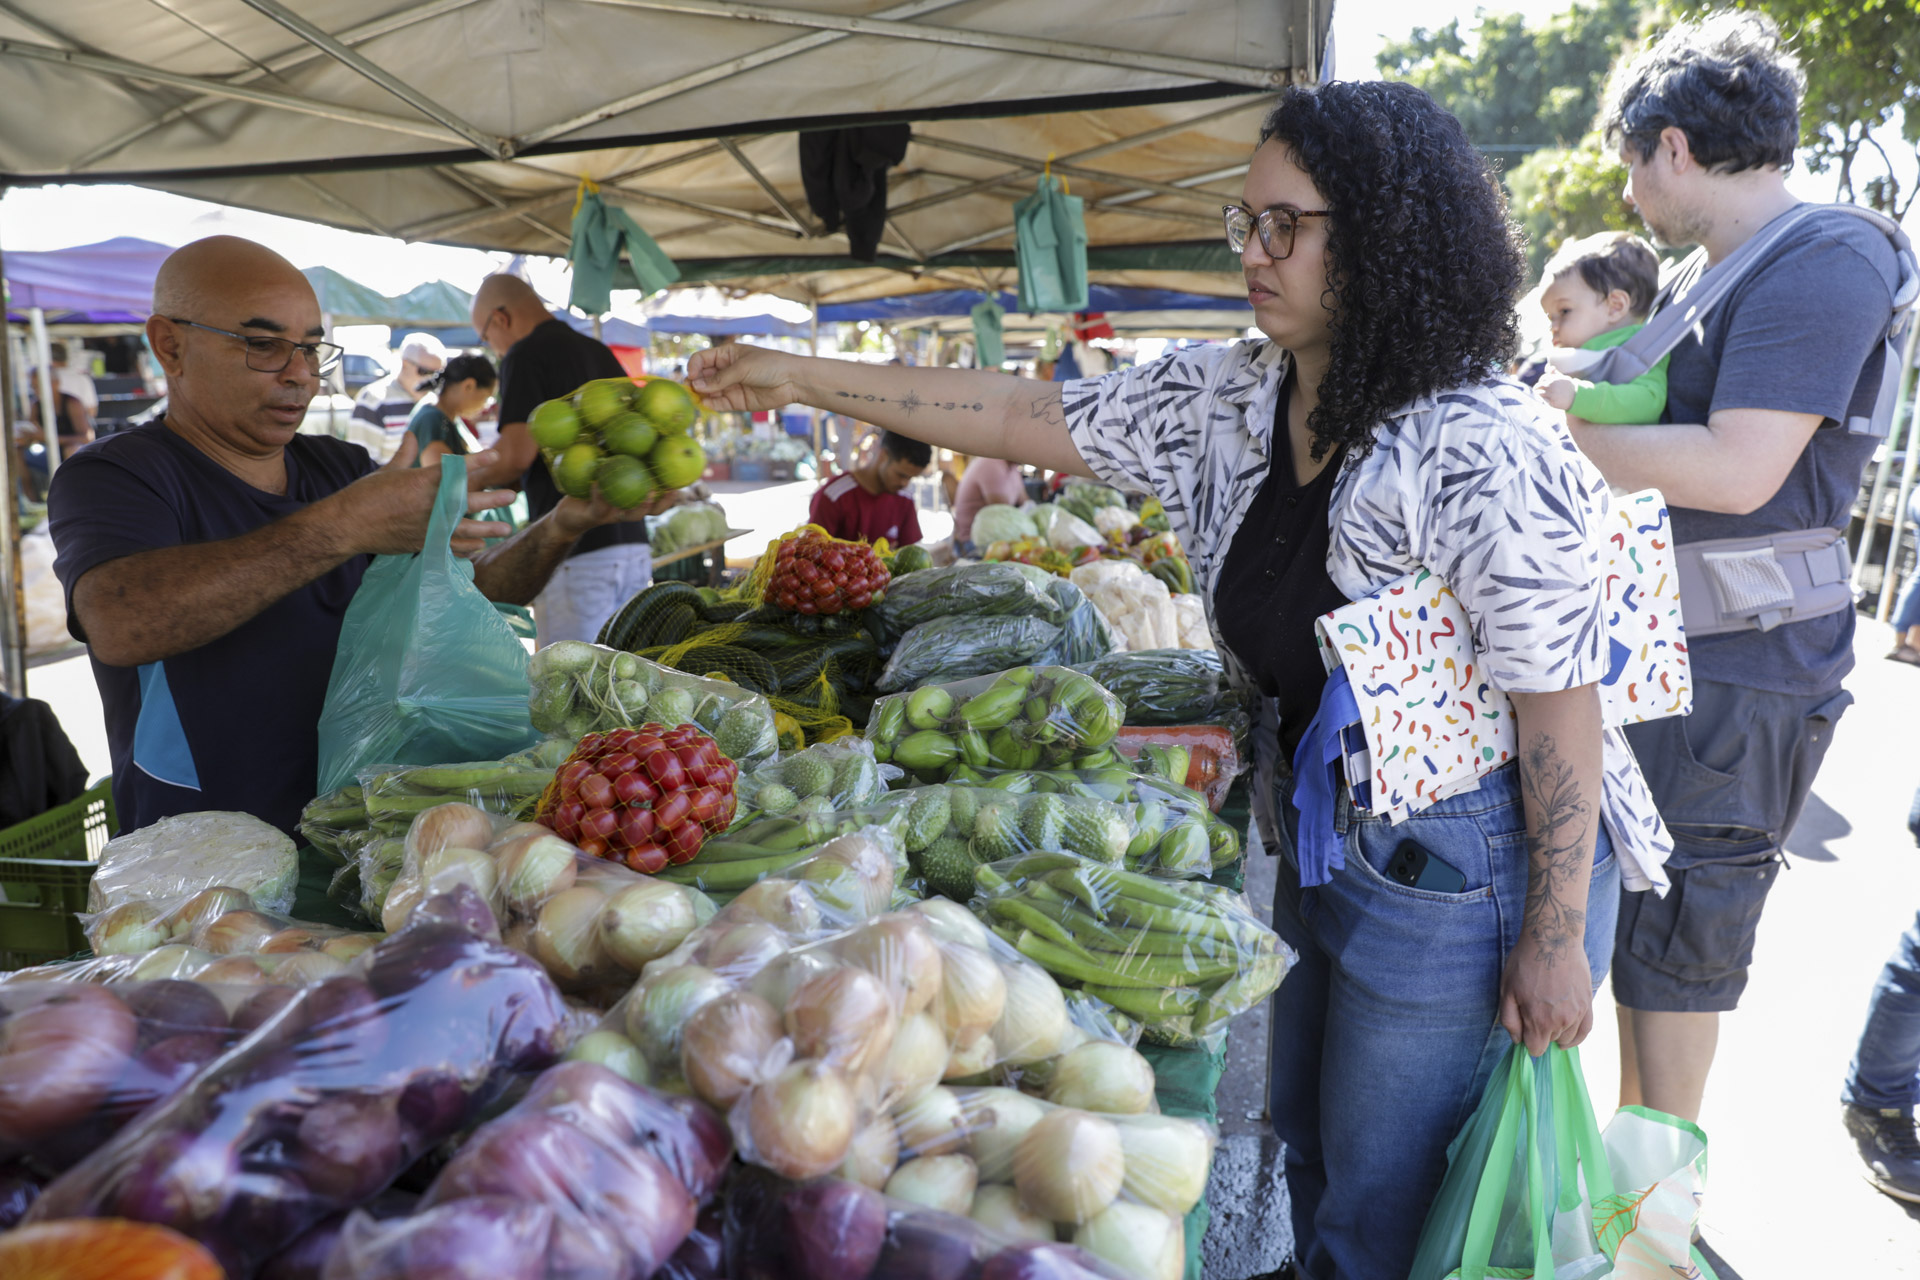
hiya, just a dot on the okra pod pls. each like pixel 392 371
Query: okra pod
pixel 1062 963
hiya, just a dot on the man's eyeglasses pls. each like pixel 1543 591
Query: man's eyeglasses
pixel 271 355
pixel 1276 227
pixel 488 324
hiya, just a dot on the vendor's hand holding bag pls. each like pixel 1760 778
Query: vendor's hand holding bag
pixel 1534 1189
pixel 427 669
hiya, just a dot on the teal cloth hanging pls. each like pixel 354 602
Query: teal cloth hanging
pixel 987 328
pixel 600 232
pixel 1050 244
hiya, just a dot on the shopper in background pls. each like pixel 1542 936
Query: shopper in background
pixel 1883 1085
pixel 867 503
pixel 985 481
pixel 383 408
pixel 1751 446
pixel 543 359
pixel 458 394
pixel 75 402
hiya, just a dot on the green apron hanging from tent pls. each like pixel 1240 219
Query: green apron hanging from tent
pixel 600 232
pixel 987 339
pixel 1050 244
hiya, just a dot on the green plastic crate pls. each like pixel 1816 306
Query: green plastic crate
pixel 78 829
pixel 38 924
pixel 46 864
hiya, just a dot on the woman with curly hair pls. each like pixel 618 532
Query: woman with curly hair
pixel 1367 436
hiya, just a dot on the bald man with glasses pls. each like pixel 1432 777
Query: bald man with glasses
pixel 208 558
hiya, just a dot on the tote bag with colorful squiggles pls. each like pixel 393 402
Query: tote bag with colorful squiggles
pixel 1432 724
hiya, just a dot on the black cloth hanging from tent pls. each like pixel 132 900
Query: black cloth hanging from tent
pixel 845 175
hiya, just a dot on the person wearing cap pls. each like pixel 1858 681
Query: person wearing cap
pixel 383 408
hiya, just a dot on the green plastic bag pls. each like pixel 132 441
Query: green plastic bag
pixel 1534 1191
pixel 989 339
pixel 1050 245
pixel 427 670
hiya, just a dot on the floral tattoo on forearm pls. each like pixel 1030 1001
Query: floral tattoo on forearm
pixel 1560 821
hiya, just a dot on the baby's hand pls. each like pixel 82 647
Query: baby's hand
pixel 1557 391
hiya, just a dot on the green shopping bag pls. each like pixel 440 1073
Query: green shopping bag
pixel 427 670
pixel 1534 1190
pixel 600 232
pixel 989 334
pixel 1050 246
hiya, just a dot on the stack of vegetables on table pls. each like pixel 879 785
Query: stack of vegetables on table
pixel 818 938
pixel 690 524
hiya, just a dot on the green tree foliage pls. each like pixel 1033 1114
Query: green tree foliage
pixel 1862 59
pixel 1530 96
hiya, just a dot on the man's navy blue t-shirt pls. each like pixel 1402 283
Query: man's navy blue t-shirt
pixel 232 724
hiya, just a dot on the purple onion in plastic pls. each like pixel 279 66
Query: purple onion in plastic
pixel 19 1187
pixel 1047 1262
pixel 835 1229
pixel 170 1006
pixel 349 1146
pixel 461 907
pixel 178 1180
pixel 928 1245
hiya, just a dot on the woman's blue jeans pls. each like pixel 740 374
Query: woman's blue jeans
pixel 1385 1032
pixel 1886 1066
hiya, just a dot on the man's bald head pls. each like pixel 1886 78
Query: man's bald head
pixel 201 275
pixel 505 310
pixel 244 291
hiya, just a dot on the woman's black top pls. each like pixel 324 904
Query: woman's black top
pixel 1274 583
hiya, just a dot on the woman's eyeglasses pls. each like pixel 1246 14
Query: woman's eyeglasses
pixel 1276 227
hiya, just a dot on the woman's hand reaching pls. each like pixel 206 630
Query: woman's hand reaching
pixel 738 378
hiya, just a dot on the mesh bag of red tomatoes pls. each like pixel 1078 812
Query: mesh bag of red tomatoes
pixel 648 797
pixel 815 573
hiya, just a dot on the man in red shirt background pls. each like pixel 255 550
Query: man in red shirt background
pixel 866 503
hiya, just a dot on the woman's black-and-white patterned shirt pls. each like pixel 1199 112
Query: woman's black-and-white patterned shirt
pixel 1480 484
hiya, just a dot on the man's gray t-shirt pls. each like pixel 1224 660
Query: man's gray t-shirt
pixel 1801 334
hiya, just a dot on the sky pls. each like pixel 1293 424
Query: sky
pixel 56 217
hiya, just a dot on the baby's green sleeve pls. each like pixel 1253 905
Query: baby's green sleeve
pixel 1624 403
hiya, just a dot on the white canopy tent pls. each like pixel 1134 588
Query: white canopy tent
pixel 472 122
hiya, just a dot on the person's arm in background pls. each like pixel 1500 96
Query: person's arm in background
pixel 517 570
pixel 82 419
pixel 1546 988
pixel 149 605
pixel 513 453
pixel 967 410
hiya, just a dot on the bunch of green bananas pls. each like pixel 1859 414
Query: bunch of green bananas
pixel 1027 718
pixel 1180 956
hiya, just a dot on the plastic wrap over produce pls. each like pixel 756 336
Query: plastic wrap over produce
pixel 1180 956
pixel 1024 718
pixel 1137 606
pixel 960 645
pixel 614 1173
pixel 221 935
pixel 189 852
pixel 78 1062
pixel 1084 635
pixel 580 688
pixel 998 522
pixel 974 590
pixel 326 1101
pixel 833 1229
pixel 820 779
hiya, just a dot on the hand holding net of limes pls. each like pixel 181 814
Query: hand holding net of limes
pixel 628 436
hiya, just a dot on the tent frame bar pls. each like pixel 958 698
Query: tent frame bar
pixel 1109 204
pixel 760 220
pixel 119 69
pixel 710 75
pixel 497 147
pixel 1102 176
pixel 960 37
pixel 13 608
pixel 276 65
pixel 785 206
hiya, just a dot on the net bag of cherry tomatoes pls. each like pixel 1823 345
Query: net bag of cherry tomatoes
pixel 648 797
pixel 811 572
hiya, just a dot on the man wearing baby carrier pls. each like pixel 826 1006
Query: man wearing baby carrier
pixel 1778 389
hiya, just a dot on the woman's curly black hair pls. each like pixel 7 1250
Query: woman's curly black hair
pixel 1423 265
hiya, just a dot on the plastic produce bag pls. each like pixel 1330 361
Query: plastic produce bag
pixel 1086 498
pixel 818 847
pixel 325 1103
pixel 998 522
pixel 1210 751
pixel 1030 717
pixel 981 590
pixel 1108 521
pixel 820 779
pixel 833 1229
pixel 1180 956
pixel 1112 816
pixel 1191 616
pixel 580 688
pixel 82 1061
pixel 958 646
pixel 1533 1188
pixel 221 926
pixel 1137 606
pixel 1069 531
pixel 619 1170
pixel 427 669
pixel 189 852
pixel 1167 686
pixel 590 923
pixel 1083 635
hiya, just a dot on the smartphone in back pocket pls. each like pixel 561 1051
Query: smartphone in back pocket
pixel 1414 867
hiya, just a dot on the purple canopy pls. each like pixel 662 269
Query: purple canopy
pixel 106 283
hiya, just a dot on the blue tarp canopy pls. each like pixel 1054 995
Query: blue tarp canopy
pixel 615 333
pixel 958 302
pixel 106 283
pixel 755 326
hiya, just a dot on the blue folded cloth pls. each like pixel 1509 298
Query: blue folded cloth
pixel 1316 767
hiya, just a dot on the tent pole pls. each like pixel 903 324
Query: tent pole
pixel 49 407
pixel 813 349
pixel 1864 549
pixel 1890 579
pixel 13 611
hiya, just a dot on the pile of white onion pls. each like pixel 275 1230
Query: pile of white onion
pixel 219 935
